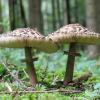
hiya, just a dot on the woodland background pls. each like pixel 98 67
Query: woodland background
pixel 47 16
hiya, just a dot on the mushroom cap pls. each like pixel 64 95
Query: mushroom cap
pixel 75 33
pixel 27 37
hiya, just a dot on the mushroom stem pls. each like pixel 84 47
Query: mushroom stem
pixel 70 64
pixel 30 66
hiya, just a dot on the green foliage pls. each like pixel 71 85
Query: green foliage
pixel 11 55
pixel 5 97
pixel 50 69
pixel 5 24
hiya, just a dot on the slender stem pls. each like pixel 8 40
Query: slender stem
pixel 70 64
pixel 30 66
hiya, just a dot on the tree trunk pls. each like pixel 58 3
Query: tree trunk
pixel 1 28
pixel 35 15
pixel 53 15
pixel 76 11
pixel 68 11
pixel 93 23
pixel 59 13
pixel 23 17
pixel 12 14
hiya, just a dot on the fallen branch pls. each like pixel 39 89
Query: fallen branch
pixel 51 91
pixel 84 77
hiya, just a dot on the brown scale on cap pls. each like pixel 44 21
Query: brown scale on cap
pixel 24 32
pixel 19 37
pixel 27 37
pixel 75 33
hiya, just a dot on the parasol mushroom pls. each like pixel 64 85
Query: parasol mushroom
pixel 73 33
pixel 27 38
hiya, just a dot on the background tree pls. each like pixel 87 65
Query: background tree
pixel 59 13
pixel 35 15
pixel 76 11
pixel 68 11
pixel 1 28
pixel 12 13
pixel 53 15
pixel 93 23
pixel 22 12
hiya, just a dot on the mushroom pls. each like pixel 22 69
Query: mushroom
pixel 73 33
pixel 27 38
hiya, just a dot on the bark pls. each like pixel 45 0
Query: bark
pixel 93 23
pixel 12 14
pixel 68 11
pixel 76 11
pixel 58 13
pixel 1 28
pixel 53 15
pixel 35 15
pixel 23 17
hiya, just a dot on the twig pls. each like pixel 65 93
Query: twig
pixel 8 87
pixel 25 73
pixel 15 78
pixel 84 77
pixel 51 91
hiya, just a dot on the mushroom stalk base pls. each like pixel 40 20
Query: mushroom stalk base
pixel 70 64
pixel 30 66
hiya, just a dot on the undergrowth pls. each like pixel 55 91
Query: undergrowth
pixel 50 69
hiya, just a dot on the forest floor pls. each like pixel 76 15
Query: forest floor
pixel 15 85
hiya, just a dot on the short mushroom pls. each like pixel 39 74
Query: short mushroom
pixel 73 33
pixel 27 38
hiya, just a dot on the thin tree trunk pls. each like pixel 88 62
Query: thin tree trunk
pixel 93 23
pixel 35 15
pixel 76 11
pixel 41 18
pixel 12 14
pixel 58 13
pixel 68 11
pixel 53 14
pixel 23 17
pixel 1 28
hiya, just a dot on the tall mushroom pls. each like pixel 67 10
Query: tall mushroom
pixel 73 33
pixel 27 38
